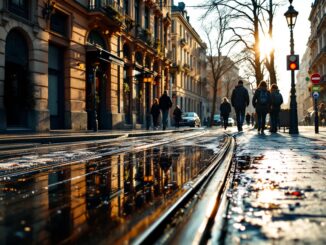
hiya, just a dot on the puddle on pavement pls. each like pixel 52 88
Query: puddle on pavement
pixel 265 208
pixel 96 200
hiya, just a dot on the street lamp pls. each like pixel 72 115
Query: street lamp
pixel 291 17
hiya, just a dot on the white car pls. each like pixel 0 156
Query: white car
pixel 190 119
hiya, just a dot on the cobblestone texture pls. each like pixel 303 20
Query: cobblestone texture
pixel 279 195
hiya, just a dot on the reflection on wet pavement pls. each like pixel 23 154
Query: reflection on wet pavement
pixel 97 200
pixel 279 191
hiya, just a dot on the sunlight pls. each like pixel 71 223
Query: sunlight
pixel 266 46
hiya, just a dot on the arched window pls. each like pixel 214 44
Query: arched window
pixel 16 48
pixel 95 37
pixel 126 52
pixel 139 58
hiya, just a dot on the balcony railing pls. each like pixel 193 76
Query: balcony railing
pixel 321 22
pixel 320 54
pixel 183 42
pixel 112 6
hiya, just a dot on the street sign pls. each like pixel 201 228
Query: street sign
pixel 315 78
pixel 315 95
pixel 315 88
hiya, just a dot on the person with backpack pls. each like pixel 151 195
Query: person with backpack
pixel 240 100
pixel 276 102
pixel 261 101
pixel 165 105
pixel 225 109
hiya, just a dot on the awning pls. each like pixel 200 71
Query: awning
pixel 104 55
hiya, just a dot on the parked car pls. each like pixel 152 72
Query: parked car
pixel 217 120
pixel 190 119
pixel 231 122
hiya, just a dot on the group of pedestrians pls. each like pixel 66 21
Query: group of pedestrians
pixel 265 101
pixel 161 105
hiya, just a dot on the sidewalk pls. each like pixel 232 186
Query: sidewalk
pixel 279 196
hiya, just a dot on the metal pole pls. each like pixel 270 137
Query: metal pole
pixel 95 123
pixel 316 116
pixel 293 103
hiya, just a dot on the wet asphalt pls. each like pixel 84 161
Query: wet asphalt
pixel 279 192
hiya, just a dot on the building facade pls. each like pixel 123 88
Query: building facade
pixel 188 70
pixel 81 64
pixel 304 98
pixel 317 44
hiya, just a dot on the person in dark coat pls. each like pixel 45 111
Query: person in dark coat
pixel 322 114
pixel 276 102
pixel 225 109
pixel 240 100
pixel 177 116
pixel 165 104
pixel 261 101
pixel 248 118
pixel 155 111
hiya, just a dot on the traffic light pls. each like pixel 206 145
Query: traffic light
pixel 292 62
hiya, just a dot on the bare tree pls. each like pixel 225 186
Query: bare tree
pixel 270 62
pixel 246 27
pixel 220 63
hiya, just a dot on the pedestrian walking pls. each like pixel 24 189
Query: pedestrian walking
pixel 240 100
pixel 307 119
pixel 261 101
pixel 155 112
pixel 225 109
pixel 248 118
pixel 165 104
pixel 177 113
pixel 322 114
pixel 253 119
pixel 275 107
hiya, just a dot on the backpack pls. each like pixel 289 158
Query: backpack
pixel 277 99
pixel 263 97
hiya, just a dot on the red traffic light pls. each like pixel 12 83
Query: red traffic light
pixel 292 62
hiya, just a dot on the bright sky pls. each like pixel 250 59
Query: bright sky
pixel 281 39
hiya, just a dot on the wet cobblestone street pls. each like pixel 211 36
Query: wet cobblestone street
pixel 279 192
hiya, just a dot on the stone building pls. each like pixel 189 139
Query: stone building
pixel 81 64
pixel 304 99
pixel 317 44
pixel 188 70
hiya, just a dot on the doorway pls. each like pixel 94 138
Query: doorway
pixel 56 96
pixel 18 96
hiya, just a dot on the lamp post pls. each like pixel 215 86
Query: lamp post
pixel 291 17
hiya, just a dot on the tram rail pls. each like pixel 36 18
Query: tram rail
pixel 200 203
pixel 38 188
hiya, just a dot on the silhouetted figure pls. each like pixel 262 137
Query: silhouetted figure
pixel 248 118
pixel 240 100
pixel 322 114
pixel 261 101
pixel 177 113
pixel 225 109
pixel 155 111
pixel 165 104
pixel 276 102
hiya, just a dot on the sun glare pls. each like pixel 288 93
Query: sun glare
pixel 266 46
